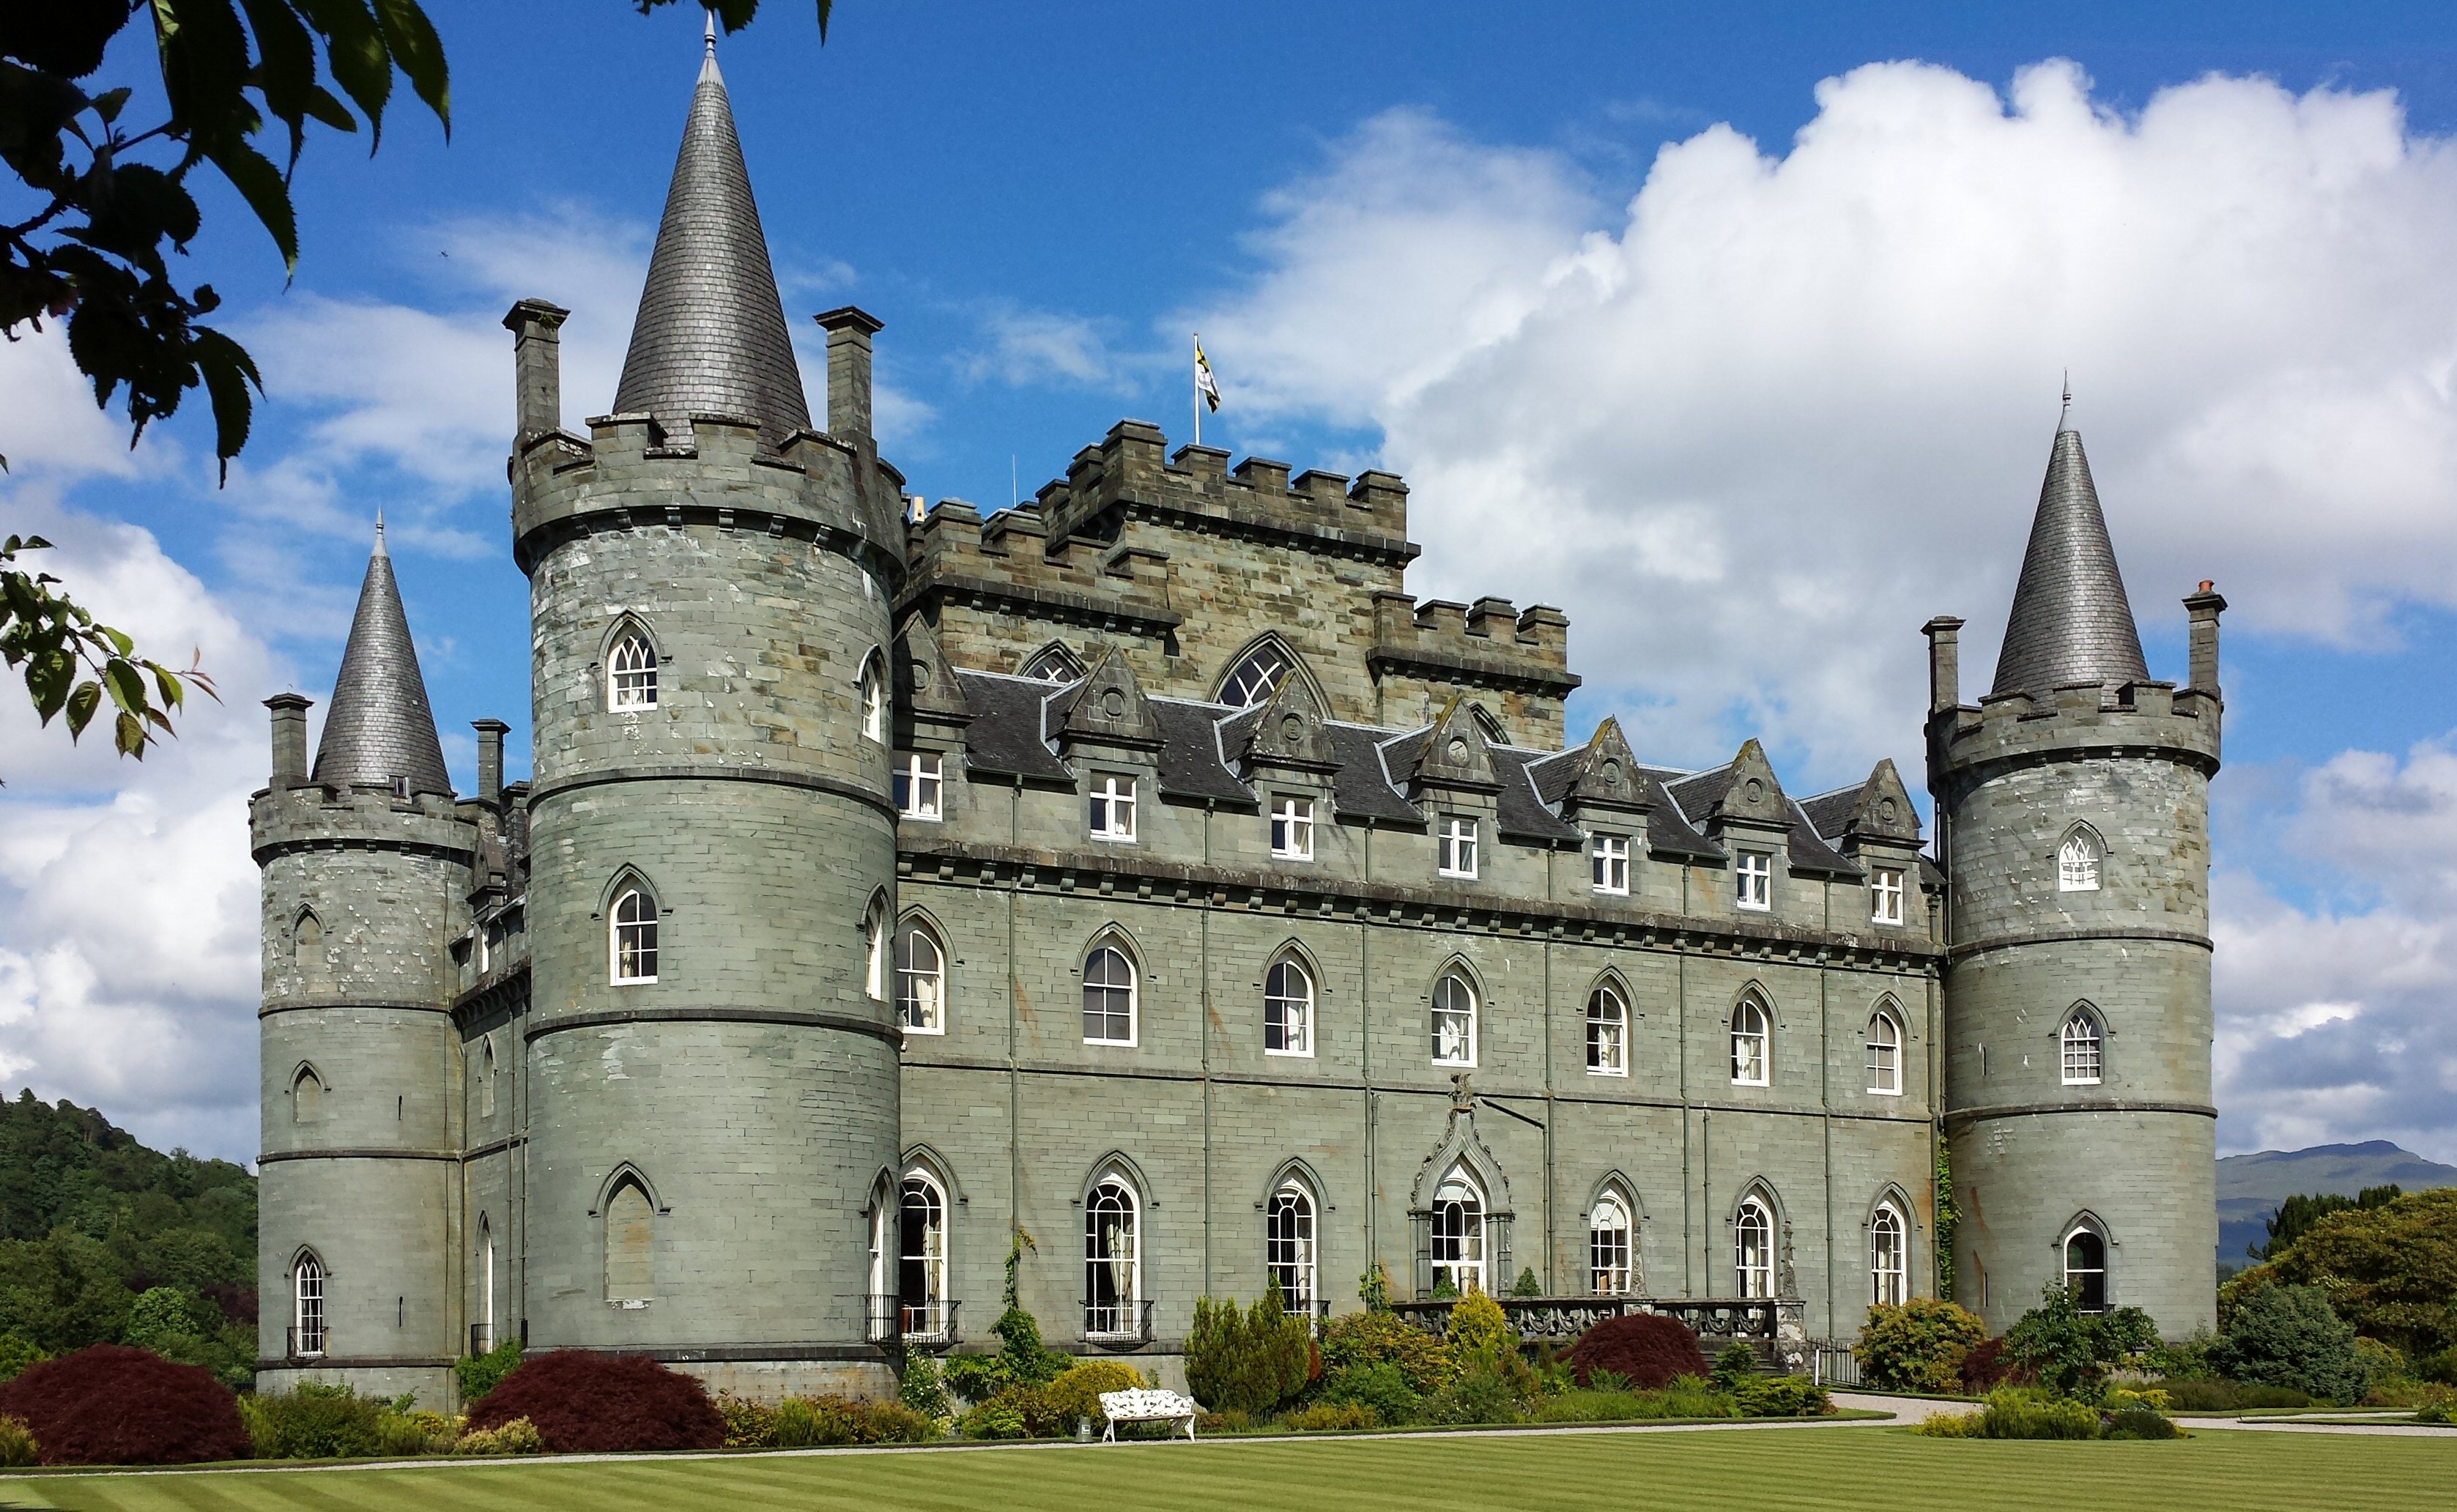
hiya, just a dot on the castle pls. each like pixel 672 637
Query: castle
pixel 1143 870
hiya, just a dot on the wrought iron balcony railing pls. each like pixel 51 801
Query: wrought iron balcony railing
pixel 1118 1324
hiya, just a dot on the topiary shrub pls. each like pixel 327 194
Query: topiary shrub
pixel 2289 1336
pixel 1075 1397
pixel 1646 1349
pixel 1527 1285
pixel 111 1405
pixel 1917 1345
pixel 582 1402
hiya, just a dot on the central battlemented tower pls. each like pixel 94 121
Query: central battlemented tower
pixel 2072 820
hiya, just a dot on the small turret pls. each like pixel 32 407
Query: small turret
pixel 379 732
pixel 2071 621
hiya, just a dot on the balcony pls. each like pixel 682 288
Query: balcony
pixel 309 1343
pixel 1117 1325
pixel 890 1320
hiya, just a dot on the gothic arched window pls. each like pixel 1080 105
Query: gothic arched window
pixel 1053 663
pixel 1749 1044
pixel 1454 1024
pixel 1885 1055
pixel 2078 861
pixel 1610 1233
pixel 1888 1247
pixel 921 1263
pixel 632 672
pixel 2083 1055
pixel 306 1097
pixel 1288 1246
pixel 631 1243
pixel 2086 1268
pixel 1112 1261
pixel 873 693
pixel 632 935
pixel 1459 1234
pixel 874 949
pixel 1287 1008
pixel 921 982
pixel 307 1304
pixel 1607 1032
pixel 1753 1247
pixel 1257 676
pixel 1108 996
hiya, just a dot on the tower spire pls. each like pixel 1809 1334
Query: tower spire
pixel 379 727
pixel 710 335
pixel 2071 622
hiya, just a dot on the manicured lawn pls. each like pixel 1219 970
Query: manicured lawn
pixel 1814 1469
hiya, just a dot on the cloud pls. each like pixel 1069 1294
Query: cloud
pixel 1757 427
pixel 1040 347
pixel 53 427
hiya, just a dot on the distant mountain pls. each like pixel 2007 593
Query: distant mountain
pixel 2251 1187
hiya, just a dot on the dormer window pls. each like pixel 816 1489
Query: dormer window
pixel 1112 808
pixel 632 673
pixel 1292 829
pixel 1456 847
pixel 920 785
pixel 1885 896
pixel 1753 879
pixel 399 788
pixel 1610 857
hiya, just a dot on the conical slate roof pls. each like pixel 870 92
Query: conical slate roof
pixel 378 726
pixel 710 331
pixel 2071 622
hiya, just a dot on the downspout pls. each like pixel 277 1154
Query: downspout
pixel 1826 1096
pixel 1365 1059
pixel 1014 998
pixel 1203 999
pixel 1552 1239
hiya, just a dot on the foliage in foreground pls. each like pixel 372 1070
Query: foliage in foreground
pixel 480 1374
pixel 1249 1358
pixel 583 1401
pixel 2288 1335
pixel 318 1421
pixel 1918 1345
pixel 2070 1352
pixel 111 1405
pixel 2390 1271
pixel 1645 1349
pixel 2298 1214
pixel 2021 1412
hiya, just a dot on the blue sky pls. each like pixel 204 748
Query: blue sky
pixel 1690 319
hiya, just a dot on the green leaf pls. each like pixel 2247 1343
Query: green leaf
pixel 261 185
pixel 127 732
pixel 204 66
pixel 354 50
pixel 419 53
pixel 81 706
pixel 228 372
pixel 824 7
pixel 285 70
pixel 126 687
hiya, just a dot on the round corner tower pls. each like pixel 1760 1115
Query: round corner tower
pixel 2072 818
pixel 712 1059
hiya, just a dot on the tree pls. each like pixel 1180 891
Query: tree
pixel 2288 1335
pixel 2295 1216
pixel 2071 1351
pixel 2390 1271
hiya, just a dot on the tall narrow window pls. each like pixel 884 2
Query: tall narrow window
pixel 2086 1270
pixel 632 673
pixel 1112 808
pixel 1108 996
pixel 1753 879
pixel 1887 1247
pixel 1609 858
pixel 1749 1058
pixel 1456 847
pixel 1607 1032
pixel 921 982
pixel 1287 1009
pixel 921 1263
pixel 873 950
pixel 2083 1060
pixel 1112 1263
pixel 1287 1247
pixel 486 1287
pixel 1885 1055
pixel 2078 861
pixel 1459 1234
pixel 1885 896
pixel 1608 1245
pixel 306 1097
pixel 1753 1247
pixel 921 789
pixel 1255 676
pixel 307 1306
pixel 1292 829
pixel 633 935
pixel 873 693
pixel 630 1245
pixel 307 949
pixel 486 1077
pixel 1453 1021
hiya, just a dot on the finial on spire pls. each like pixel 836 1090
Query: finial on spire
pixel 380 535
pixel 710 32
pixel 2064 415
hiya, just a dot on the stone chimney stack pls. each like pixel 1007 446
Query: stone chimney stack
pixel 537 364
pixel 849 332
pixel 289 738
pixel 1944 662
pixel 2205 607
pixel 490 759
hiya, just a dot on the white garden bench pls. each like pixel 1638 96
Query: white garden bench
pixel 1146 1406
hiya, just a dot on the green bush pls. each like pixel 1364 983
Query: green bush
pixel 1374 1338
pixel 1018 1412
pixel 2428 1412
pixel 480 1374
pixel 1249 1358
pixel 2069 1351
pixel 1075 1397
pixel 1332 1417
pixel 1735 1364
pixel 1478 1333
pixel 748 1425
pixel 923 1388
pixel 1480 1397
pixel 2391 1271
pixel 2141 1422
pixel 1783 1397
pixel 519 1436
pixel 798 1425
pixel 2030 1413
pixel 17 1446
pixel 1381 1386
pixel 2216 1395
pixel 15 1355
pixel 1695 1397
pixel 314 1421
pixel 974 1377
pixel 1948 1425
pixel 1918 1345
pixel 2183 1359
pixel 2289 1336
pixel 1527 1285
pixel 2441 1367
pixel 400 1434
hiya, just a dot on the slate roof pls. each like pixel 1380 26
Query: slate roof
pixel 378 726
pixel 710 334
pixel 1809 849
pixel 2071 621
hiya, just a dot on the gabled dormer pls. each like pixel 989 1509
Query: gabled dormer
pixel 1751 818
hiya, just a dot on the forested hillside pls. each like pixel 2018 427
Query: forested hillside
pixel 103 1239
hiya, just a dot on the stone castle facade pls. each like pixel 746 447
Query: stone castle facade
pixel 1144 870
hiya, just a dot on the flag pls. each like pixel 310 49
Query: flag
pixel 1203 382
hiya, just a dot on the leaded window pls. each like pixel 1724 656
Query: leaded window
pixel 2078 861
pixel 1256 676
pixel 2083 1055
pixel 632 673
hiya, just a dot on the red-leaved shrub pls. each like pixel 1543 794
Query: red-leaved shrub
pixel 583 1401
pixel 1645 1348
pixel 111 1405
pixel 1987 1367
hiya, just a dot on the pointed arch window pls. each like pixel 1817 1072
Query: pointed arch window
pixel 486 1328
pixel 1885 1055
pixel 1607 1032
pixel 1888 1252
pixel 873 695
pixel 632 672
pixel 1750 1034
pixel 922 1261
pixel 306 1097
pixel 1287 1008
pixel 1110 993
pixel 1453 1021
pixel 873 950
pixel 1610 1236
pixel 1753 1247
pixel 1112 1260
pixel 920 980
pixel 2085 1265
pixel 307 947
pixel 630 1244
pixel 631 932
pixel 1289 1245
pixel 2079 860
pixel 486 1077
pixel 1459 1234
pixel 1053 663
pixel 2083 1050
pixel 307 1335
pixel 1256 676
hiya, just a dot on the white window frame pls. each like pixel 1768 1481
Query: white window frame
pixel 875 951
pixel 922 785
pixel 1294 1028
pixel 632 673
pixel 1610 864
pixel 871 690
pixel 1753 880
pixel 1890 1247
pixel 2081 861
pixel 1052 663
pixel 1752 1027
pixel 1110 812
pixel 1885 1060
pixel 1453 1013
pixel 1291 828
pixel 928 1319
pixel 1459 1232
pixel 641 932
pixel 1615 1059
pixel 1455 843
pixel 920 992
pixel 1261 670
pixel 1612 1245
pixel 1123 1318
pixel 309 1331
pixel 1133 986
pixel 2103 1270
pixel 2081 1047
pixel 1290 1246
pixel 1885 895
pixel 1754 1219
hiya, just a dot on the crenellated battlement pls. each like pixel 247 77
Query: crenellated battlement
pixel 2077 718
pixel 1131 471
pixel 312 816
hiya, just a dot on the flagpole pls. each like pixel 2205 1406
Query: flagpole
pixel 1195 375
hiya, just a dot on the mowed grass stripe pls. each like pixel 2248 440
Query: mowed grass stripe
pixel 1815 1470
